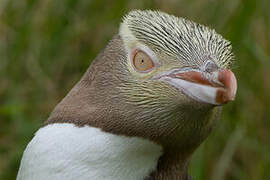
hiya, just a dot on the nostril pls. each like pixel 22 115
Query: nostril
pixel 210 67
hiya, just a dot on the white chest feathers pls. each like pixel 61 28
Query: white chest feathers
pixel 64 151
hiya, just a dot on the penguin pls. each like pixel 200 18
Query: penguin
pixel 144 105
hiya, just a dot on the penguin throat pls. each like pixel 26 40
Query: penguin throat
pixel 171 166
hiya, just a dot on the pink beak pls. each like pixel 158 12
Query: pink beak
pixel 227 78
pixel 224 80
pixel 217 88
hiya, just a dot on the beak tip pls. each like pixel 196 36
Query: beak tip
pixel 228 93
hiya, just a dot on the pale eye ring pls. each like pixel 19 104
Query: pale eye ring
pixel 142 62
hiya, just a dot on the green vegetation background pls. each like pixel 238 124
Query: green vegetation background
pixel 46 46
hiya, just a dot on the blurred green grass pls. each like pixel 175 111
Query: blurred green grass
pixel 46 45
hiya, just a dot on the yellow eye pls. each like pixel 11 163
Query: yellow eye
pixel 142 62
